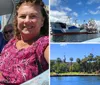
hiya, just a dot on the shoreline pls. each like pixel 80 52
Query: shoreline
pixel 75 75
pixel 72 74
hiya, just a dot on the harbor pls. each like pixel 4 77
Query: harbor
pixel 62 32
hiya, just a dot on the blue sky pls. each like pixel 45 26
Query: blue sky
pixel 73 50
pixel 46 2
pixel 0 18
pixel 79 10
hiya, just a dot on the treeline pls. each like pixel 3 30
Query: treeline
pixel 88 64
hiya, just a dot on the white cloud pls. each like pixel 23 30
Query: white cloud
pixel 75 14
pixel 93 1
pixel 57 13
pixel 54 2
pixel 98 7
pixel 53 19
pixel 94 12
pixel 79 3
pixel 58 16
pixel 98 24
pixel 68 9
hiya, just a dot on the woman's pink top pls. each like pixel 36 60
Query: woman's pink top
pixel 18 66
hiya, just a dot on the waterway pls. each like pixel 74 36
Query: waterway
pixel 74 38
pixel 75 80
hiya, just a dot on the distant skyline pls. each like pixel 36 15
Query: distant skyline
pixel 77 10
pixel 73 50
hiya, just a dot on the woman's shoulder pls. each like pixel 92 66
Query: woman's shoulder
pixel 42 43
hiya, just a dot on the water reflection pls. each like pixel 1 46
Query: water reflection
pixel 74 38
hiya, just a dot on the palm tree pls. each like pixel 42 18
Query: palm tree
pixel 78 60
pixel 84 64
pixel 90 59
pixel 59 60
pixel 71 59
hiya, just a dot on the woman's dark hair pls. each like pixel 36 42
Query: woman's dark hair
pixel 45 29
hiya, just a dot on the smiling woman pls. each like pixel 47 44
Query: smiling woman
pixel 27 54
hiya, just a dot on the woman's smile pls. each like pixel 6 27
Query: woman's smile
pixel 28 27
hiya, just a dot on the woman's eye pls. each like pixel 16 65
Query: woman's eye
pixel 33 16
pixel 22 17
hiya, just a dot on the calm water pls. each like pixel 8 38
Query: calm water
pixel 75 80
pixel 74 38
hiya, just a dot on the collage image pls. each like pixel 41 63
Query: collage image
pixel 49 42
pixel 74 42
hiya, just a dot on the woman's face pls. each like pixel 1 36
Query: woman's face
pixel 30 19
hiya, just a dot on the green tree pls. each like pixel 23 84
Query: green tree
pixel 58 60
pixel 84 65
pixel 60 67
pixel 75 67
pixel 57 68
pixel 97 58
pixel 52 63
pixel 71 59
pixel 78 64
pixel 90 58
pixel 78 60
pixel 63 67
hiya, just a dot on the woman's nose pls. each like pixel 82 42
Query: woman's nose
pixel 27 19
